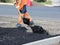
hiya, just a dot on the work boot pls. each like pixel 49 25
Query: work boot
pixel 31 23
pixel 19 25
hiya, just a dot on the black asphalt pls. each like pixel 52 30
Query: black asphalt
pixel 16 36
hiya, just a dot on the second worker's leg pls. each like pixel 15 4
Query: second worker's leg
pixel 27 16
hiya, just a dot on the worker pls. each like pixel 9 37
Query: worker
pixel 22 12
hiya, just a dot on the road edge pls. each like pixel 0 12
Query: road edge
pixel 48 41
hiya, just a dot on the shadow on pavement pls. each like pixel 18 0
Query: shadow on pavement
pixel 15 36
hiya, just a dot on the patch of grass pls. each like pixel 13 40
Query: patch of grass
pixel 48 2
pixel 6 1
pixel 40 0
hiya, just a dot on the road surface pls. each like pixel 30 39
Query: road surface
pixel 41 12
pixel 11 35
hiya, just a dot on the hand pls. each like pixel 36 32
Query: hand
pixel 17 7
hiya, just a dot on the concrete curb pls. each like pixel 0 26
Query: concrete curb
pixel 49 41
pixel 51 5
pixel 6 4
pixel 48 5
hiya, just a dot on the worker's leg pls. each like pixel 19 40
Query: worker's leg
pixel 27 16
pixel 20 21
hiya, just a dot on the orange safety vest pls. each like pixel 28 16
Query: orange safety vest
pixel 20 3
